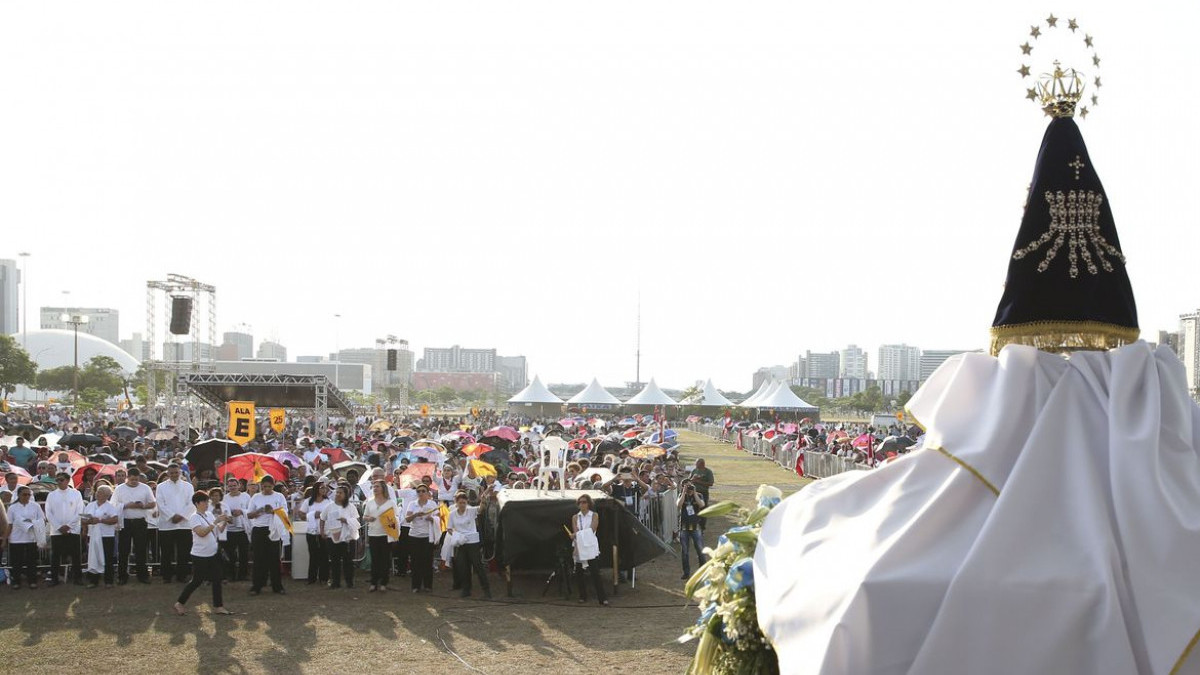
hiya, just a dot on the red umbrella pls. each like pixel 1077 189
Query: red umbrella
pixel 252 466
pixel 101 470
pixel 415 472
pixel 581 444
pixel 335 456
pixel 864 441
pixel 23 477
pixel 633 433
pixel 477 450
pixel 507 433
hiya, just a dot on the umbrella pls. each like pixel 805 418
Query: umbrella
pixel 789 428
pixel 77 460
pixel 426 443
pixel 806 420
pixel 29 431
pixel 567 422
pixel 669 434
pixel 50 439
pixel 334 455
pixel 147 424
pixel 864 441
pixel 162 435
pixel 632 433
pixel 203 455
pixel 596 474
pixel 459 436
pixel 125 432
pixel 100 469
pixel 407 431
pixel 608 446
pixel 477 450
pixel 285 457
pixel 71 440
pixel 630 443
pixel 417 471
pixel 580 444
pixel 896 444
pixel 428 452
pixel 647 452
pixel 507 433
pixel 836 435
pixel 251 467
pixel 627 422
pixel 342 468
pixel 23 477
pixel 103 458
pixel 380 425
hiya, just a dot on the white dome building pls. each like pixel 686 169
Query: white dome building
pixel 55 348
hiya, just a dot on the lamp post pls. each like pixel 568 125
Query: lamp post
pixel 76 320
pixel 24 300
pixel 337 350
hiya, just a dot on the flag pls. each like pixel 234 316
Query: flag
pixel 241 422
pixel 387 520
pixel 287 522
pixel 259 472
pixel 482 468
pixel 278 420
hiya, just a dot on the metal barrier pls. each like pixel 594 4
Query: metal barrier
pixel 660 514
pixel 816 464
pixel 824 464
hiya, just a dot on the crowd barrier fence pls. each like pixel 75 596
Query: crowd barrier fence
pixel 816 464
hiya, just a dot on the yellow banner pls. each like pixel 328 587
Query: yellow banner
pixel 482 468
pixel 387 520
pixel 278 420
pixel 4 406
pixel 424 410
pixel 241 421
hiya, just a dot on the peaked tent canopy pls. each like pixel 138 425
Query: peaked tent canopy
pixel 764 390
pixel 783 398
pixel 536 392
pixel 709 397
pixel 594 394
pixel 651 395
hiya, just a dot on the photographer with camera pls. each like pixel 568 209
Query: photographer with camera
pixel 690 504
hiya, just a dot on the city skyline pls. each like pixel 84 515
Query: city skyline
pixel 684 154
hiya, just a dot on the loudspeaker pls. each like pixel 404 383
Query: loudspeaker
pixel 391 362
pixel 181 315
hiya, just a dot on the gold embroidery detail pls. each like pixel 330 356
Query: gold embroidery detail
pixel 1062 336
pixel 1186 652
pixel 1076 215
pixel 968 467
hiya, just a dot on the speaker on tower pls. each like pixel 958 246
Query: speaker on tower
pixel 181 315
pixel 391 359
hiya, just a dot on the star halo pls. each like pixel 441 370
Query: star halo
pixel 1050 26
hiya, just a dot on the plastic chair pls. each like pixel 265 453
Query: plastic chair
pixel 555 464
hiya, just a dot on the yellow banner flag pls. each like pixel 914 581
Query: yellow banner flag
pixel 387 520
pixel 287 522
pixel 241 421
pixel 424 410
pixel 278 420
pixel 482 468
pixel 4 406
pixel 444 515
pixel 259 472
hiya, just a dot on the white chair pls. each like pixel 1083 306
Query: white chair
pixel 556 463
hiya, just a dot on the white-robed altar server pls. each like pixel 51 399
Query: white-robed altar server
pixel 1051 521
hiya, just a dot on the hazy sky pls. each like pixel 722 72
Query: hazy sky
pixel 771 176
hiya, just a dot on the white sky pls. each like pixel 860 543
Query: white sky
pixel 772 176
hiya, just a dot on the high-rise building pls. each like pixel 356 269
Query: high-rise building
pixel 391 383
pixel 10 278
pixel 182 351
pixel 103 322
pixel 514 373
pixel 1189 350
pixel 931 359
pixel 458 360
pixel 268 349
pixel 899 362
pixel 853 363
pixel 768 372
pixel 822 365
pixel 235 346
pixel 136 347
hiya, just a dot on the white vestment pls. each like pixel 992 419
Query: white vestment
pixel 1049 524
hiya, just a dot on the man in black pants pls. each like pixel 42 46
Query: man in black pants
pixel 237 540
pixel 266 551
pixel 135 500
pixel 174 497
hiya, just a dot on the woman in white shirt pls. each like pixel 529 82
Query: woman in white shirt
pixel 24 516
pixel 584 528
pixel 422 518
pixel 206 561
pixel 378 539
pixel 462 529
pixel 101 517
pixel 339 524
pixel 318 550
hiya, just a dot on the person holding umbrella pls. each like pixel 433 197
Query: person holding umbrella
pixel 206 562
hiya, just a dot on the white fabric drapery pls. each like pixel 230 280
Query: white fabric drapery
pixel 1050 523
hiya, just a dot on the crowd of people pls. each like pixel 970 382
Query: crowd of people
pixel 133 501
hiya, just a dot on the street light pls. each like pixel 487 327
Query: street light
pixel 75 320
pixel 24 300
pixel 337 355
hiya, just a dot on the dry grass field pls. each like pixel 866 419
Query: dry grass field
pixel 131 629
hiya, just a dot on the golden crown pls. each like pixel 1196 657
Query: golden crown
pixel 1060 91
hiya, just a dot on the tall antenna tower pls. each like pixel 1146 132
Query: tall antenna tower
pixel 638 372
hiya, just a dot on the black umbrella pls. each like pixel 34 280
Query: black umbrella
pixel 896 444
pixel 496 442
pixel 29 431
pixel 608 446
pixel 202 455
pixel 86 440
pixel 125 432
pixel 103 458
pixel 147 424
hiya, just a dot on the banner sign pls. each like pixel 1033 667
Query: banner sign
pixel 241 421
pixel 278 420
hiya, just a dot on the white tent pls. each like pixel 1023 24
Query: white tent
pixel 536 392
pixel 764 389
pixel 783 398
pixel 709 397
pixel 651 395
pixel 594 394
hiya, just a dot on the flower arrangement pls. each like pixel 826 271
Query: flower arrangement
pixel 730 638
